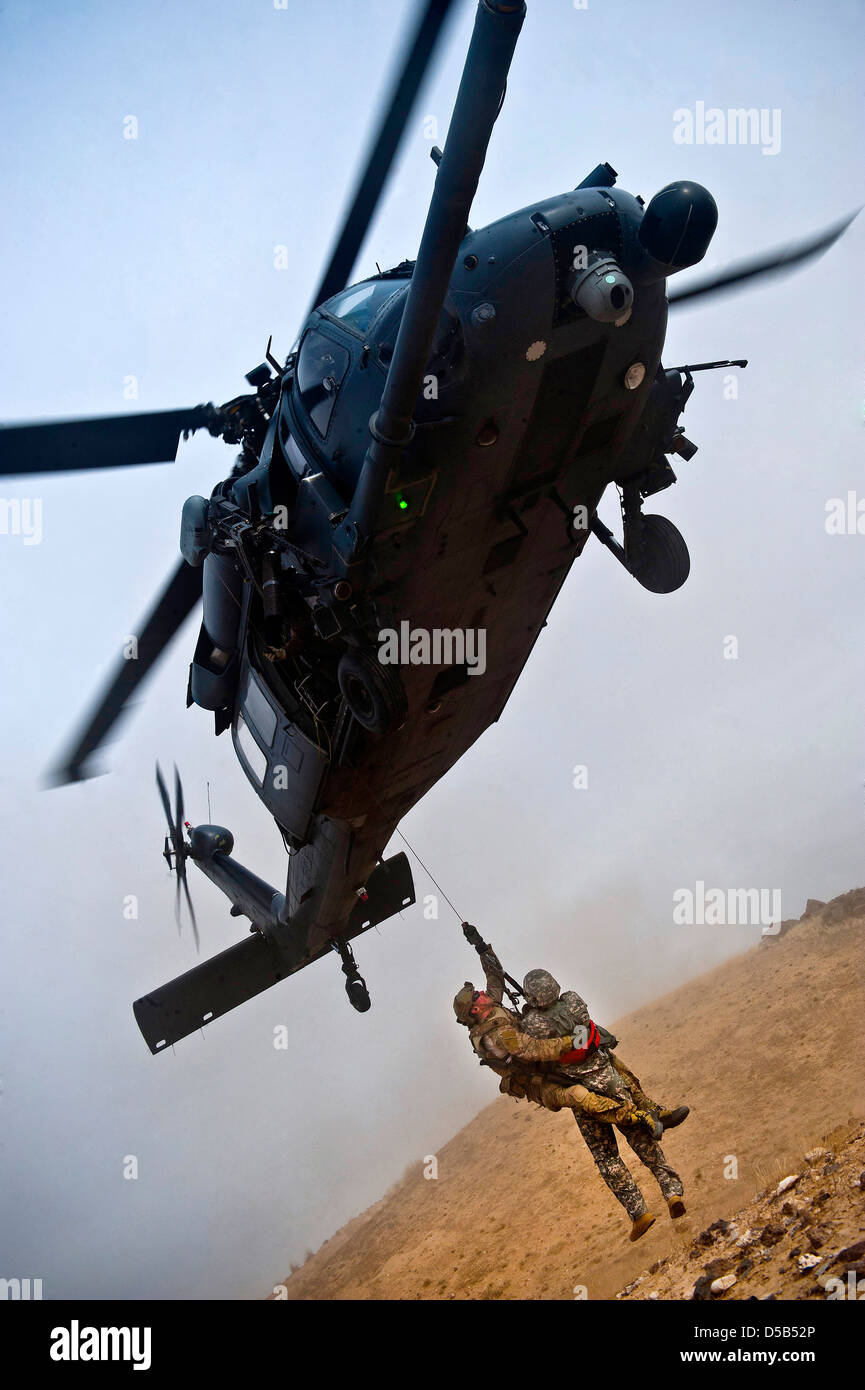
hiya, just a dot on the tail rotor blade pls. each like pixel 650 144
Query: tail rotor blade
pixel 178 800
pixel 166 804
pixel 191 911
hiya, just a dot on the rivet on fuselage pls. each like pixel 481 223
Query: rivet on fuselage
pixel 470 262
pixel 488 434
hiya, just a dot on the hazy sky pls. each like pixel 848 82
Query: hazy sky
pixel 154 259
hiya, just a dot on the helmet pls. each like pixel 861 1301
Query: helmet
pixel 463 1002
pixel 540 989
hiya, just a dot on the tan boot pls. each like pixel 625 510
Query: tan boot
pixel 677 1207
pixel 641 1225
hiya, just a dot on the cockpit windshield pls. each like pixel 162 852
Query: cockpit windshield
pixel 357 306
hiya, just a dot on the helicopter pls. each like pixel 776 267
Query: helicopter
pixel 412 487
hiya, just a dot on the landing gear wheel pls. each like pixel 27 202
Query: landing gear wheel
pixel 358 994
pixel 662 563
pixel 355 984
pixel 374 693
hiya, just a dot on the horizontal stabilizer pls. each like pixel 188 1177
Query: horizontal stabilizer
pixel 218 985
pixel 389 888
pixel 207 991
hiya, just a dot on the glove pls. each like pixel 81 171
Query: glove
pixel 473 937
pixel 649 1122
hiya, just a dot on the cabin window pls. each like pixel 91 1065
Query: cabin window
pixel 251 753
pixel 259 711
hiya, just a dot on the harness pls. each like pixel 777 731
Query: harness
pixel 517 1076
pixel 579 1054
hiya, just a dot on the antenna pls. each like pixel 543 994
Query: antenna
pixel 209 813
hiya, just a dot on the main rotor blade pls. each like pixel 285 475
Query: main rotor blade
pixel 773 263
pixel 173 606
pixel 108 441
pixel 384 147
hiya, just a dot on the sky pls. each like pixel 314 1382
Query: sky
pixel 141 274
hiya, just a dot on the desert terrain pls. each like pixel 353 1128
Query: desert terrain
pixel 768 1049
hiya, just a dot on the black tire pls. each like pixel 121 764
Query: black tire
pixel 663 563
pixel 374 693
pixel 358 995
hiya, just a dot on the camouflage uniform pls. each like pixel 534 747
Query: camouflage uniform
pixel 603 1072
pixel 500 1041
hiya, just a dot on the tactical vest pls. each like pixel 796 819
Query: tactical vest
pixel 497 1017
pixel 521 1080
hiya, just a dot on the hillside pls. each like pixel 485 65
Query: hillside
pixel 768 1049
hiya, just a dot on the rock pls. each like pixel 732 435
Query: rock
pixel 851 1253
pixel 771 1234
pixel 701 1289
pixel 816 1237
pixel 722 1285
pixel 711 1233
pixel 744 1266
pixel 806 1262
pixel 831 1168
pixel 814 1155
pixel 746 1238
pixel 654 1294
pixel 812 908
pixel 786 1183
pixel 715 1268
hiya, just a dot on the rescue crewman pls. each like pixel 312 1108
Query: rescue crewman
pixel 549 1014
pixel 528 1066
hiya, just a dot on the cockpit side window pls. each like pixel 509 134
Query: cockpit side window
pixel 357 306
pixel 321 367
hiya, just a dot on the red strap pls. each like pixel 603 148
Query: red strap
pixel 579 1054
